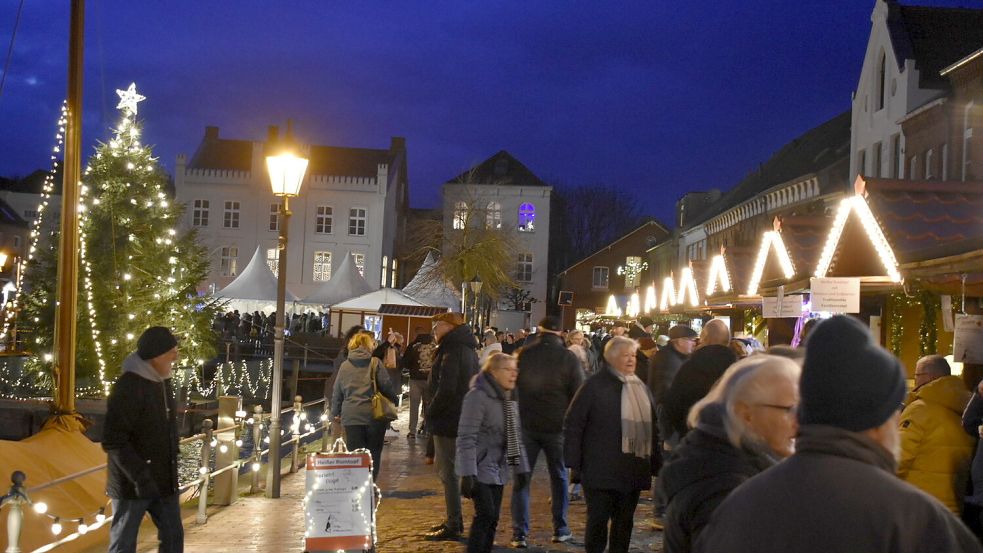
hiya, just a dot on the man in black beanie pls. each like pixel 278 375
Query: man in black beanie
pixel 141 442
pixel 839 492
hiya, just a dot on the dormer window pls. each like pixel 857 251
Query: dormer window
pixel 527 218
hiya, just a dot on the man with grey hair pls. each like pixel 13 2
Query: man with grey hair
pixel 935 451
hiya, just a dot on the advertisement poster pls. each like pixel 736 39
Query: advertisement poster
pixel 835 295
pixel 968 344
pixel 339 502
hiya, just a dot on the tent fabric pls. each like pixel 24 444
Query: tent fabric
pixel 255 282
pixel 345 283
pixel 58 450
pixel 374 300
pixel 430 289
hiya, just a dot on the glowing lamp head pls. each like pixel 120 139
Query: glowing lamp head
pixel 286 173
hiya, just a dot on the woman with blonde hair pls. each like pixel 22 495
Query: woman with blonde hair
pixel 575 343
pixel 743 426
pixel 358 377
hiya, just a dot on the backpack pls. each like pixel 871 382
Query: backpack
pixel 425 357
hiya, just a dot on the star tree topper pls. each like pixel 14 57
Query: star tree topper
pixel 128 99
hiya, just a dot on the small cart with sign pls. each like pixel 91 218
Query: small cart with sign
pixel 340 502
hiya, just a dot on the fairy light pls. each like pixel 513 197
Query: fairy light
pixel 634 305
pixel 771 240
pixel 687 288
pixel 668 294
pixel 718 275
pixel 651 303
pixel 56 526
pixel 612 307
pixel 858 204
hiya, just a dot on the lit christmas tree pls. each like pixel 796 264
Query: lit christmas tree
pixel 135 269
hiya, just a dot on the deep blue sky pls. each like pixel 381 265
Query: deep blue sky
pixel 659 97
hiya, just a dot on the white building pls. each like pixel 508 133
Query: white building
pixel 352 199
pixel 907 48
pixel 504 193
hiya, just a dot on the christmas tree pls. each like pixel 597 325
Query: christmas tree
pixel 135 269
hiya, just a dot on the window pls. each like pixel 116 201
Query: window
pixel 913 168
pixel 395 267
pixel 460 215
pixel 356 221
pixel 231 215
pixel 228 264
pixel 878 155
pixel 896 162
pixel 273 260
pixel 945 162
pixel 16 241
pixel 967 169
pixel 929 158
pixel 275 216
pixel 199 215
pixel 493 215
pixel 385 270
pixel 881 83
pixel 360 262
pixel 527 218
pixel 862 162
pixel 524 268
pixel 322 266
pixel 30 214
pixel 600 279
pixel 322 219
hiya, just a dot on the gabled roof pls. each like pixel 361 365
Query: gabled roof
pixel 373 301
pixel 811 152
pixel 933 37
pixel 428 287
pixel 223 154
pixel 33 183
pixel 345 283
pixel 255 282
pixel 501 168
pixel 410 310
pixel 627 235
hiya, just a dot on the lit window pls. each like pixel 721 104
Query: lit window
pixel 524 268
pixel 385 270
pixel 231 219
pixel 395 266
pixel 273 260
pixel 527 218
pixel 199 215
pixel 228 264
pixel 323 219
pixel 600 279
pixel 493 215
pixel 275 216
pixel 360 262
pixel 356 221
pixel 460 215
pixel 322 266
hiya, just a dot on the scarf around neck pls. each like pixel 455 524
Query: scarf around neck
pixel 636 416
pixel 512 438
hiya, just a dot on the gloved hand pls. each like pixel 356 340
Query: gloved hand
pixel 575 476
pixel 522 479
pixel 467 486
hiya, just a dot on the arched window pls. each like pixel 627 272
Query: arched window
pixel 527 218
pixel 493 215
pixel 460 215
pixel 881 91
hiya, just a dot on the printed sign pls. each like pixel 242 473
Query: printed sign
pixel 968 344
pixel 785 306
pixel 339 502
pixel 835 295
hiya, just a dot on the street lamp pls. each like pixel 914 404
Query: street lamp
pixel 475 285
pixel 286 175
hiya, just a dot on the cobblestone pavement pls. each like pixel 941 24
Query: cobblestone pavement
pixel 412 501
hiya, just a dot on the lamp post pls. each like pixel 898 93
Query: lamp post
pixel 475 285
pixel 286 175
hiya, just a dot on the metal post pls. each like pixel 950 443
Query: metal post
pixel 273 473
pixel 226 484
pixel 298 420
pixel 294 376
pixel 68 260
pixel 206 453
pixel 257 447
pixel 16 498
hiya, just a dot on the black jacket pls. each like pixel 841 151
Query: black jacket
pixel 592 439
pixel 549 376
pixel 141 439
pixel 699 474
pixel 450 379
pixel 662 369
pixel 419 357
pixel 696 377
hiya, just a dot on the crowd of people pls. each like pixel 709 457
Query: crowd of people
pixel 258 326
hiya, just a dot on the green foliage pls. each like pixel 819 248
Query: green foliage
pixel 928 332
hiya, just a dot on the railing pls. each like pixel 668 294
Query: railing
pixel 301 427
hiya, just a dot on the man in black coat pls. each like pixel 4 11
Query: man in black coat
pixel 549 377
pixel 141 442
pixel 456 363
pixel 695 378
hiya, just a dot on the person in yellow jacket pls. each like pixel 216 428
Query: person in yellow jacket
pixel 935 450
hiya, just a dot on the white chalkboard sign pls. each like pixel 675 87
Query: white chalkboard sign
pixel 339 504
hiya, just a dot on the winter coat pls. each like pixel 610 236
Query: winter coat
pixel 696 376
pixel 351 398
pixel 592 439
pixel 838 492
pixel 481 439
pixel 662 369
pixel 583 356
pixel 140 435
pixel 419 357
pixel 455 365
pixel 972 419
pixel 700 473
pixel 935 451
pixel 549 376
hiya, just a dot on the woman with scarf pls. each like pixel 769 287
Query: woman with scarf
pixel 610 446
pixel 489 446
pixel 743 426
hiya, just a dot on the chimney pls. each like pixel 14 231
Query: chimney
pixel 397 144
pixel 211 133
pixel 272 134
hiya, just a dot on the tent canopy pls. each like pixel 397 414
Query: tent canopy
pixel 430 288
pixel 374 300
pixel 255 282
pixel 345 283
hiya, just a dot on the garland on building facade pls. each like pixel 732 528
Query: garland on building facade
pixel 928 332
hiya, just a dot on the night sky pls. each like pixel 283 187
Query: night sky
pixel 658 97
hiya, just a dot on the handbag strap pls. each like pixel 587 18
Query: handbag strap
pixel 372 369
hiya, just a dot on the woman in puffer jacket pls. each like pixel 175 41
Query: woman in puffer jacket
pixel 489 446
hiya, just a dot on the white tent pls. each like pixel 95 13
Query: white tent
pixel 430 289
pixel 364 310
pixel 255 287
pixel 345 283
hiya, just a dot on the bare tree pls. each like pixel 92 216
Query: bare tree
pixel 590 217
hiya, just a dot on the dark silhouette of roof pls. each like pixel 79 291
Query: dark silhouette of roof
pixel 348 162
pixel 501 168
pixel 9 216
pixel 31 184
pixel 934 37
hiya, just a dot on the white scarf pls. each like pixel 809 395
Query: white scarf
pixel 636 416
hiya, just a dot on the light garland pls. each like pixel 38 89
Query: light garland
pixel 687 288
pixel 718 275
pixel 771 240
pixel 651 303
pixel 858 204
pixel 612 308
pixel 668 294
pixel 366 484
pixel 634 305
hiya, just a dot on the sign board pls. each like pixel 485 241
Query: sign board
pixel 835 295
pixel 946 302
pixel 785 306
pixel 564 298
pixel 968 344
pixel 339 505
